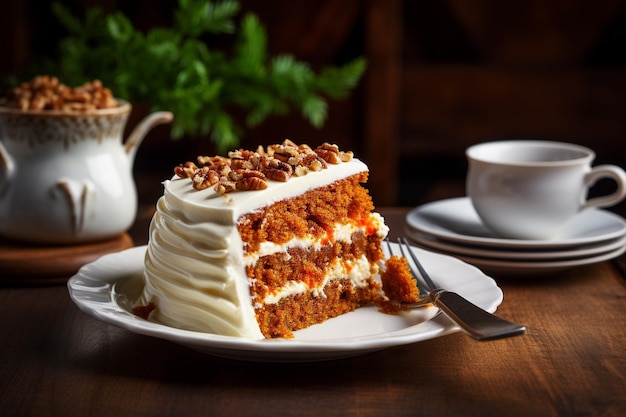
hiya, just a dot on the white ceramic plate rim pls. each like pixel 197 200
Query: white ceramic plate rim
pixel 584 251
pixel 456 220
pixel 98 290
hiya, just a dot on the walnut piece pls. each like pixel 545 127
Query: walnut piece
pixel 277 170
pixel 204 178
pixel 251 184
pixel 188 170
pixel 329 153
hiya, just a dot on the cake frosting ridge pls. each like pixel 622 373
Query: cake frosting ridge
pixel 216 257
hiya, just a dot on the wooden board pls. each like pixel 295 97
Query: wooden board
pixel 24 264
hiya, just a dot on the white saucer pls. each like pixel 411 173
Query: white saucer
pixel 529 269
pixel 511 254
pixel 455 220
pixel 107 288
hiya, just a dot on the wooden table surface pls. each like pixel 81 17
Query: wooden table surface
pixel 57 361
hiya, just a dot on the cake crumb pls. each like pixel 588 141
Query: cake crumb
pixel 398 282
pixel 144 311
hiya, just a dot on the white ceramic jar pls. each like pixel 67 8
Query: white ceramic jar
pixel 66 176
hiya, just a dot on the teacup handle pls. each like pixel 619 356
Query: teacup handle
pixel 606 171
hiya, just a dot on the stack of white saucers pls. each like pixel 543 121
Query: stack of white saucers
pixel 452 226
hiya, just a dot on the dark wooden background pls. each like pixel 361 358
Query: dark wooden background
pixel 442 75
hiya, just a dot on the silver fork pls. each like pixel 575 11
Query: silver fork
pixel 472 319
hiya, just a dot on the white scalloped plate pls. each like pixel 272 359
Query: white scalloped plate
pixel 107 288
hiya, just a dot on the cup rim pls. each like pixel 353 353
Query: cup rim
pixel 123 108
pixel 472 152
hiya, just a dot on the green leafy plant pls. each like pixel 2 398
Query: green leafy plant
pixel 174 69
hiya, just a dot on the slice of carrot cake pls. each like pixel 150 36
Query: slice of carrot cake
pixel 262 243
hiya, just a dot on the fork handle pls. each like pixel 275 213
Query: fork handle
pixel 475 321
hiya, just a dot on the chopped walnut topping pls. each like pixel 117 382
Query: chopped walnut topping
pixel 188 170
pixel 251 184
pixel 346 156
pixel 213 160
pixel 225 187
pixel 314 162
pixel 301 171
pixel 247 170
pixel 47 93
pixel 329 153
pixel 278 170
pixel 204 178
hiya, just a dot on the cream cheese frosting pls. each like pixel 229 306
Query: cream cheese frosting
pixel 195 262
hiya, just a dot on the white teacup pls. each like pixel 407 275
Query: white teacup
pixel 530 189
